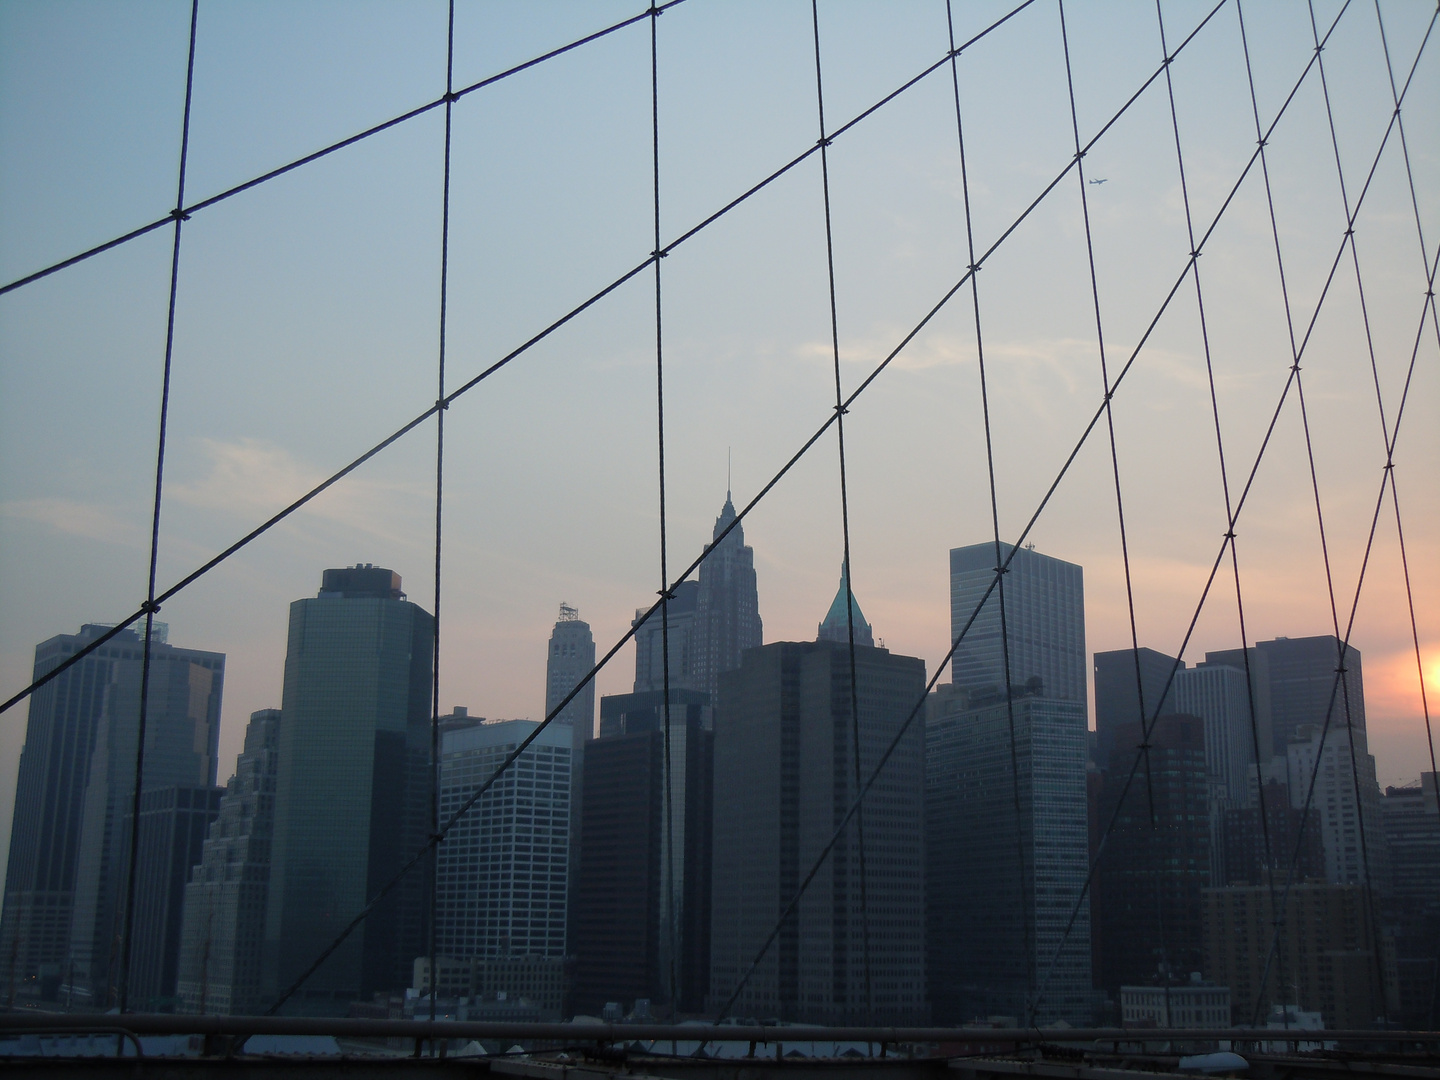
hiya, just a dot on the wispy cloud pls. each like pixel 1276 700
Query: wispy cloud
pixel 253 478
pixel 71 517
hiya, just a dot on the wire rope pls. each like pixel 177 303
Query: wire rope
pixel 1260 761
pixel 150 607
pixel 1027 928
pixel 534 340
pixel 824 144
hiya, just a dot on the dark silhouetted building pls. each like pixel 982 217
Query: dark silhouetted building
pixel 54 772
pixel 1411 815
pixel 1117 693
pixel 1002 889
pixel 1295 685
pixel 1146 896
pixel 182 732
pixel 1286 829
pixel 784 781
pixel 727 604
pixel 224 908
pixel 684 644
pixel 1325 961
pixel 173 825
pixel 352 791
pixel 633 915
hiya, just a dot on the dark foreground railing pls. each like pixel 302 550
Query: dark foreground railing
pixel 34 1022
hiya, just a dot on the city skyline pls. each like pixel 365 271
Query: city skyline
pixel 550 491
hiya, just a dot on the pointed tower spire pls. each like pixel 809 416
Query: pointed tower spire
pixel 836 626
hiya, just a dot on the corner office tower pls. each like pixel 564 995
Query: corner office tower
pixel 1044 628
pixel 351 791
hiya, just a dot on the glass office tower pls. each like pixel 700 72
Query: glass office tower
pixel 352 791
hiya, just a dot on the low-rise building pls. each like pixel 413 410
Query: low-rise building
pixel 1195 1004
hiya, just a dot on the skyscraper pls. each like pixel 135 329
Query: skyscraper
pixel 1216 693
pixel 1001 891
pixel 570 657
pixel 1117 700
pixel 1044 621
pixel 727 604
pixel 634 912
pixel 1149 878
pixel 173 824
pixel 784 778
pixel 503 875
pixel 1295 685
pixel 837 624
pixel 1352 856
pixel 684 644
pixel 49 803
pixel 224 915
pixel 352 790
pixel 182 731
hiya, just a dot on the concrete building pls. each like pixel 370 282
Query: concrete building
pixel 352 791
pixel 1351 831
pixel 1192 1004
pixel 1044 600
pixel 503 877
pixel 568 659
pixel 182 732
pixel 1293 838
pixel 1326 958
pixel 224 905
pixel 1117 692
pixel 784 779
pixel 1217 694
pixel 60 734
pixel 1001 891
pixel 640 925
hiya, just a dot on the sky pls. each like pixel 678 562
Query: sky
pixel 307 323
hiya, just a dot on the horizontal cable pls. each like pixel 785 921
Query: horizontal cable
pixel 386 125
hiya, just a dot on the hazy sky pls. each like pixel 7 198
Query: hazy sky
pixel 307 322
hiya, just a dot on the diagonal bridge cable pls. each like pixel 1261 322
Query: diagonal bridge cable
pixel 624 639
pixel 466 387
pixel 447 99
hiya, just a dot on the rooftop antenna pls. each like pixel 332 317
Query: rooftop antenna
pixel 727 472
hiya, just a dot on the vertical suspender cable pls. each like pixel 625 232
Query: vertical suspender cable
pixel 671 927
pixel 1261 759
pixel 1394 490
pixel 1119 502
pixel 151 607
pixel 824 143
pixel 1028 928
pixel 441 404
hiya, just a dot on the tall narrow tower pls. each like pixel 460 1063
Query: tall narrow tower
pixel 351 791
pixel 571 656
pixel 728 604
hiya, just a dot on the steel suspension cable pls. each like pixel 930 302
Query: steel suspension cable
pixel 672 924
pixel 824 144
pixel 572 314
pixel 1360 804
pixel 1027 927
pixel 1394 489
pixel 448 98
pixel 1119 499
pixel 435 777
pixel 1260 761
pixel 769 486
pixel 1245 491
pixel 150 607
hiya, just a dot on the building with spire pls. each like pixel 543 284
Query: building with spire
pixel 727 605
pixel 785 774
pixel 836 626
